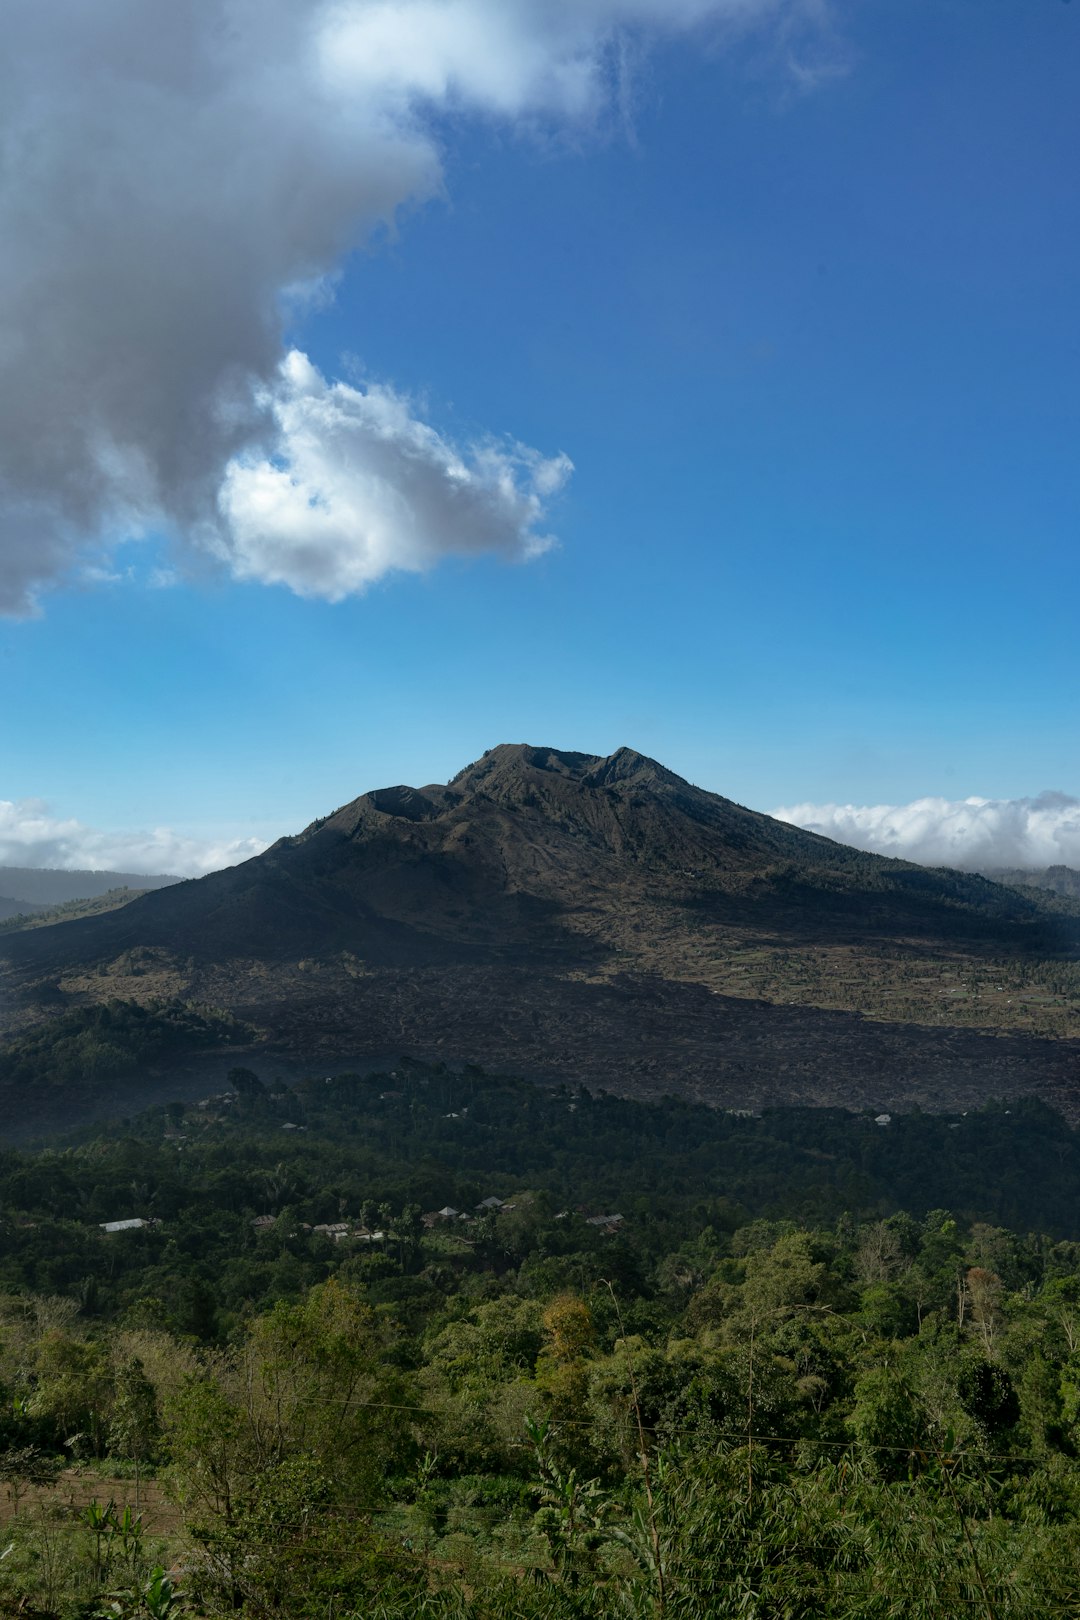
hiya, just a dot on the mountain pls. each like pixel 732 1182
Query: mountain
pixel 53 886
pixel 600 919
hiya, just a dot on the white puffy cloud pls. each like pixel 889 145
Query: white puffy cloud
pixel 360 486
pixel 172 178
pixel 30 835
pixel 972 834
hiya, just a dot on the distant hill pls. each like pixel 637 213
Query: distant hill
pixel 599 918
pixel 16 915
pixel 17 908
pixel 54 886
pixel 1060 880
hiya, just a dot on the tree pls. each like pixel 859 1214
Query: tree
pixel 987 1395
pixel 247 1085
pixel 783 1278
pixel 982 1303
pixel 134 1426
pixel 887 1421
pixel 879 1257
pixel 74 1389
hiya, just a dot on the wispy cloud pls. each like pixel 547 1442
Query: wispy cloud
pixel 31 835
pixel 971 834
pixel 173 180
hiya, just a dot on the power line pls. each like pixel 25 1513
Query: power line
pixel 739 1433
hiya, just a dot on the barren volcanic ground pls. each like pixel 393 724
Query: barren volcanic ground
pixel 600 920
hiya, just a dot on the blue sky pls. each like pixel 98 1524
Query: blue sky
pixel 803 315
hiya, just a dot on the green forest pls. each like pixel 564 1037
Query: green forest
pixel 435 1342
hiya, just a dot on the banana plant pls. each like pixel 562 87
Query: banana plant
pixel 100 1520
pixel 574 1512
pixel 157 1599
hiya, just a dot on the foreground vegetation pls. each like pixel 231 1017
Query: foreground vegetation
pixel 791 1379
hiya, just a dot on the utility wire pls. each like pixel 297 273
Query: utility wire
pixel 665 1430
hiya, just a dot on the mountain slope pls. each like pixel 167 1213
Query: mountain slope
pixel 539 895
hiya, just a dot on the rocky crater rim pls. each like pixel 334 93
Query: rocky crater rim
pixel 510 763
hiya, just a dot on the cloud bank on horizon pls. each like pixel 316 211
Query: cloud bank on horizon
pixel 978 835
pixel 30 835
pixel 975 835
pixel 173 180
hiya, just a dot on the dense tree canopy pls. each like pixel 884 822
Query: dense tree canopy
pixel 769 1389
